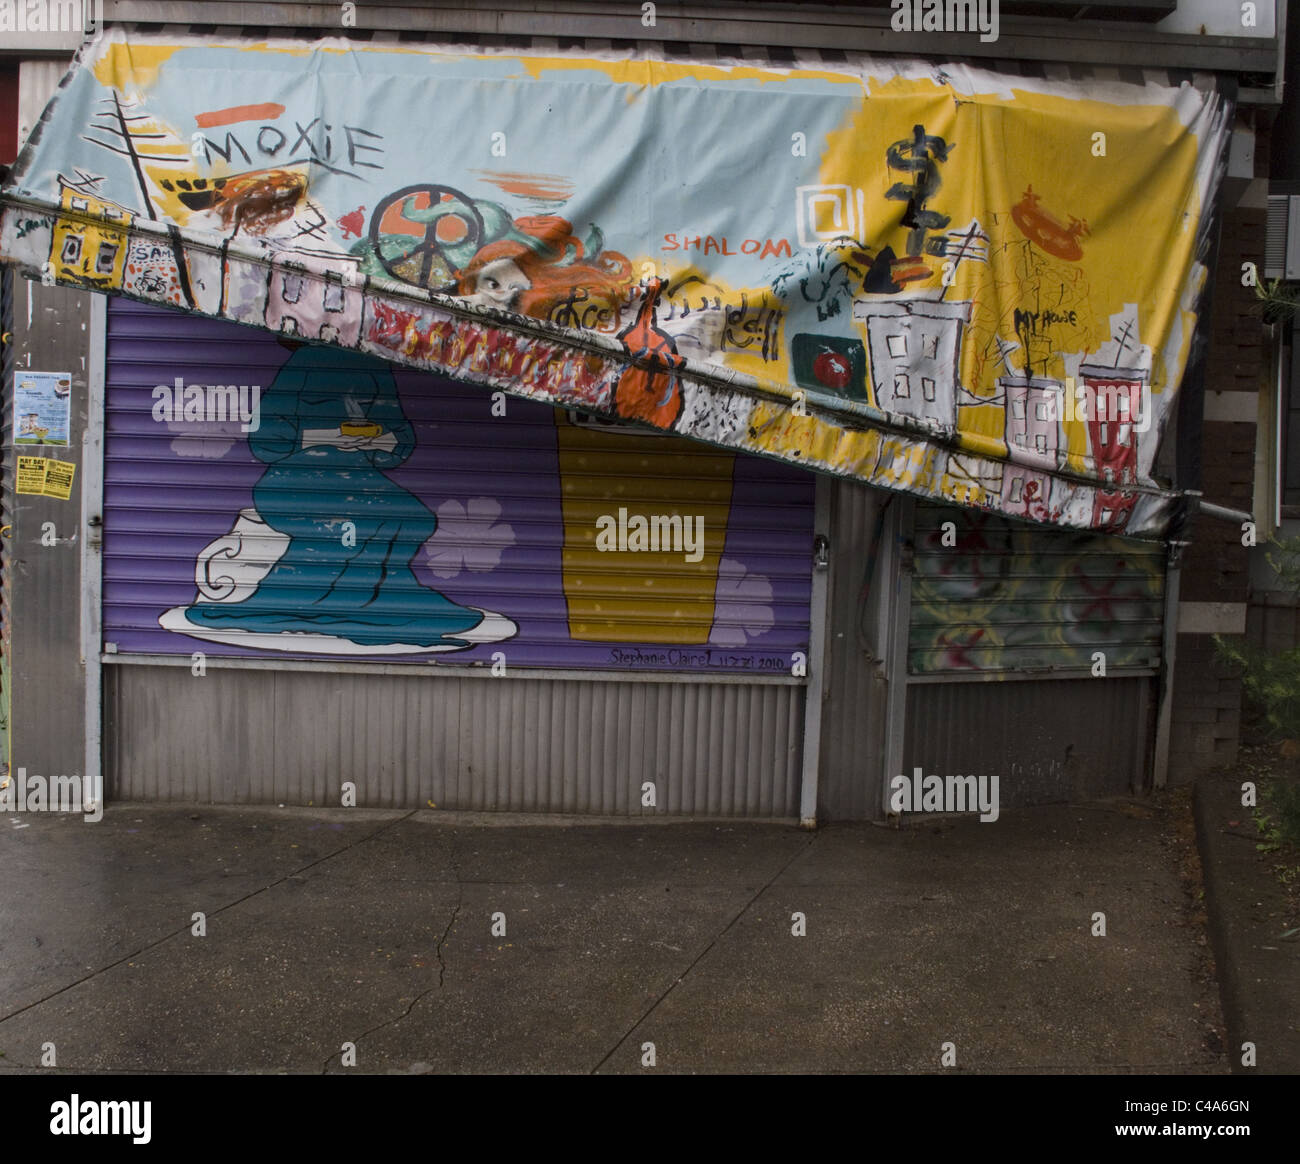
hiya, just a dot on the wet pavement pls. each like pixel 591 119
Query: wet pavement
pixel 435 942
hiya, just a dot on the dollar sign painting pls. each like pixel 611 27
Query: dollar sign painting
pixel 918 155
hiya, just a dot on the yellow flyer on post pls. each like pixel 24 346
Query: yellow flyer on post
pixel 31 474
pixel 58 479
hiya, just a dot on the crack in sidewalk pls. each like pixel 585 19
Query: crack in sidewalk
pixel 442 969
pixel 442 966
pixel 185 928
pixel 722 933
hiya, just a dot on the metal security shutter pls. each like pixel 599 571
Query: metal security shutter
pixel 519 492
pixel 996 598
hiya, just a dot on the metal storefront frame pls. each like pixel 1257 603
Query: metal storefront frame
pixel 92 502
pixel 275 729
pixel 1061 733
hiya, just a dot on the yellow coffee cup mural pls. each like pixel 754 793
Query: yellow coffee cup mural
pixel 645 526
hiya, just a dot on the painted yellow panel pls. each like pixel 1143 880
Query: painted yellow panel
pixel 621 491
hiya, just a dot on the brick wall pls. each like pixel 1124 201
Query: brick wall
pixel 1207 711
pixel 1207 698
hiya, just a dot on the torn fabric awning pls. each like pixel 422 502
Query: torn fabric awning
pixel 973 287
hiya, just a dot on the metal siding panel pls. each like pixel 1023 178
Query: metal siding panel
pixel 47 705
pixel 713 764
pixel 676 731
pixel 493 767
pixel 480 787
pixel 745 794
pixel 719 789
pixel 695 790
pixel 202 740
pixel 699 721
pixel 737 750
pixel 484 761
pixel 681 753
pixel 683 715
pixel 513 761
pixel 593 702
pixel 553 745
pixel 504 753
pixel 660 715
pixel 853 717
pixel 609 705
pixel 729 802
pixel 524 767
pixel 621 773
pixel 716 734
pixel 1042 740
pixel 37 82
pixel 240 736
pixel 740 794
pixel 8 466
pixel 698 793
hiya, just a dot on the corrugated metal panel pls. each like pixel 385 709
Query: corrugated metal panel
pixel 520 492
pixel 43 572
pixel 42 580
pixel 469 744
pixel 7 465
pixel 854 716
pixel 995 597
pixel 37 82
pixel 1074 739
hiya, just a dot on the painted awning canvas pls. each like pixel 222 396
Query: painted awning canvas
pixel 977 288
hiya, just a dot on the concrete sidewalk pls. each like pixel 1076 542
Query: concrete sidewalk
pixel 326 927
pixel 1255 945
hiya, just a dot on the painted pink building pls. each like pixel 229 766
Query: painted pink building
pixel 1032 436
pixel 313 305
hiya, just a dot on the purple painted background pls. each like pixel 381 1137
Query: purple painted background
pixel 171 490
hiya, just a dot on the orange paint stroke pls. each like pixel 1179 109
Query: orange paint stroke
pixel 552 187
pixel 267 111
pixel 1040 226
pixel 394 222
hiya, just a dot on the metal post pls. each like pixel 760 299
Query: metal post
pixel 815 692
pixel 1169 643
pixel 899 606
pixel 92 501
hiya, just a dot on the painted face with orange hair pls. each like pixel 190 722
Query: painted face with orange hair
pixel 543 266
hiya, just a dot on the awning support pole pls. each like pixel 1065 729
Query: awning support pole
pixel 1168 650
pixel 898 617
pixel 92 548
pixel 815 692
